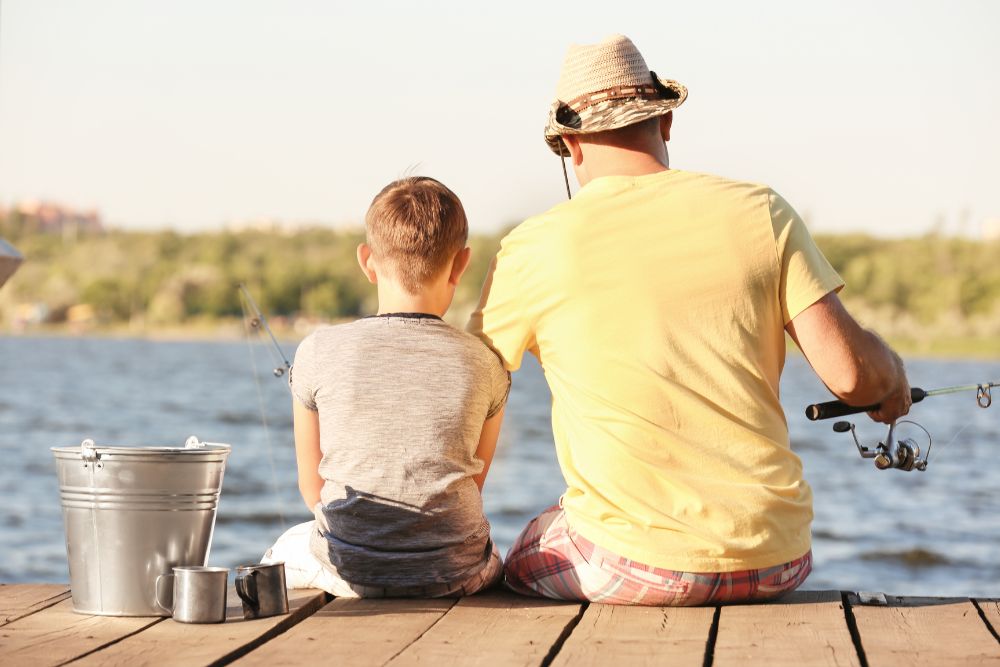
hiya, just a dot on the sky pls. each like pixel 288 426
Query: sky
pixel 192 114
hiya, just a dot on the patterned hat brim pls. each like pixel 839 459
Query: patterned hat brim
pixel 610 115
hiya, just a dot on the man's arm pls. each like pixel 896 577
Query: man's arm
pixel 488 445
pixel 854 363
pixel 307 452
pixel 500 320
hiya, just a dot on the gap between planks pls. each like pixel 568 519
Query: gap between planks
pixel 500 627
pixel 484 629
pixel 610 634
pixel 57 634
pixel 20 600
pixel 801 628
pixel 915 631
pixel 989 611
pixel 172 643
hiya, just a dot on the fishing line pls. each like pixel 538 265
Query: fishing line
pixel 955 437
pixel 248 324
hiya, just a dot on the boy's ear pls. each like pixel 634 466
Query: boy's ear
pixel 458 265
pixel 366 263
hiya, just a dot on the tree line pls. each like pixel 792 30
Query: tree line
pixel 928 286
pixel 167 278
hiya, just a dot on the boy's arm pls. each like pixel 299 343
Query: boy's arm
pixel 488 445
pixel 307 452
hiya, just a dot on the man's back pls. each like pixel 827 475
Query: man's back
pixel 657 305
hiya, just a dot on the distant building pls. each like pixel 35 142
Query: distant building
pixel 52 218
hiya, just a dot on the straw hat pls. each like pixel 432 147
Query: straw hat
pixel 605 86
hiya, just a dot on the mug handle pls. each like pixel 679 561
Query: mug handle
pixel 246 588
pixel 156 594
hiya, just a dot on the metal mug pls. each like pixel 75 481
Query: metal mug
pixel 261 587
pixel 199 594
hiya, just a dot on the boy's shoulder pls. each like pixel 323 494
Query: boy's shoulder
pixel 328 339
pixel 475 346
pixel 324 333
pixel 372 328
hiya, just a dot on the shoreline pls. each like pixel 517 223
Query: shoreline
pixel 965 348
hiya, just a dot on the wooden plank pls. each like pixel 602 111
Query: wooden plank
pixel 173 643
pixel 802 628
pixel 924 631
pixel 351 633
pixel 491 629
pixel 991 610
pixel 612 634
pixel 20 600
pixel 57 634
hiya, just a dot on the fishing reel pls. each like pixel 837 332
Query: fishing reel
pixel 890 452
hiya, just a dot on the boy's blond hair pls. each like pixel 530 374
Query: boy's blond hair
pixel 417 225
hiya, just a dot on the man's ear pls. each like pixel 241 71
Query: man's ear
pixel 366 263
pixel 573 146
pixel 458 265
pixel 666 120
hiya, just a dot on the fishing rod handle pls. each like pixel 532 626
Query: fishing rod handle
pixel 832 409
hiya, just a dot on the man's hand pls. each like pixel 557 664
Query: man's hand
pixel 898 401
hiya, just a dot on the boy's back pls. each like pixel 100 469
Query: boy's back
pixel 401 399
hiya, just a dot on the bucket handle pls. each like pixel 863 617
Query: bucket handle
pixel 88 450
pixel 193 442
pixel 156 593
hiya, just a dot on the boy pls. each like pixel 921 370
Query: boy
pixel 396 418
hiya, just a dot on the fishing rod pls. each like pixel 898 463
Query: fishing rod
pixel 258 321
pixel 891 452
pixel 832 409
pixel 253 315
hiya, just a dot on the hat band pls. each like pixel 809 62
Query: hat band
pixel 582 102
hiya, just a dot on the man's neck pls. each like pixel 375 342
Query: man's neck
pixel 618 162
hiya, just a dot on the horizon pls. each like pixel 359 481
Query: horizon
pixel 190 117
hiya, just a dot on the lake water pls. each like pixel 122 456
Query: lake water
pixel 931 533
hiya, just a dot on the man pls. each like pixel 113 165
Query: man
pixel 657 301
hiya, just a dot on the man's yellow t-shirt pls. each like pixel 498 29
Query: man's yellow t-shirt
pixel 656 306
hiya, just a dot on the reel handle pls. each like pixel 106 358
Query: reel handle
pixel 832 409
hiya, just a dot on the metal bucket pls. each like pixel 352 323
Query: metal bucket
pixel 132 514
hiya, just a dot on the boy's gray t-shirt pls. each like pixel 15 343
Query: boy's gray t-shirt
pixel 402 400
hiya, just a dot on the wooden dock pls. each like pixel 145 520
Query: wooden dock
pixel 38 628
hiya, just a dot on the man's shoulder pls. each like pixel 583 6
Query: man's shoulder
pixel 529 236
pixel 536 224
pixel 703 181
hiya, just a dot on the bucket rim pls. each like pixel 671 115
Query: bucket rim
pixel 141 450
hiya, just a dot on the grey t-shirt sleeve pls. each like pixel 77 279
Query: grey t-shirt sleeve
pixel 500 383
pixel 302 375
